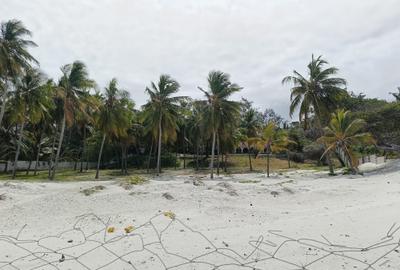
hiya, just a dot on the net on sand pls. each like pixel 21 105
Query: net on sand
pixel 165 242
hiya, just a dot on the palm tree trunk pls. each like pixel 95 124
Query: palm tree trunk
pixel 52 155
pixel 159 146
pixel 288 158
pixel 218 154
pixel 99 159
pixel 330 164
pixel 15 167
pixel 3 101
pixel 251 165
pixel 83 148
pixel 268 164
pixel 29 167
pixel 184 148
pixel 212 154
pixel 58 148
pixel 38 155
pixel 149 159
pixel 226 163
pixel 197 156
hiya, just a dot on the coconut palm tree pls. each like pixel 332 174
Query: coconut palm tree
pixel 343 134
pixel 14 56
pixel 72 94
pixel 30 103
pixel 272 140
pixel 161 112
pixel 316 94
pixel 251 124
pixel 218 109
pixel 115 116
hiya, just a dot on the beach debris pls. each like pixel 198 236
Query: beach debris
pixel 170 215
pixel 274 193
pixel 3 197
pixel 129 229
pixel 90 191
pixel 111 229
pixel 198 182
pixel 249 181
pixel 288 190
pixel 168 196
pixel 131 181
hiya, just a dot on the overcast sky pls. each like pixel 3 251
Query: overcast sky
pixel 258 42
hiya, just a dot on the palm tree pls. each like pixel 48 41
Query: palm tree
pixel 251 124
pixel 72 93
pixel 272 140
pixel 161 112
pixel 14 56
pixel 316 94
pixel 115 116
pixel 218 109
pixel 343 134
pixel 31 102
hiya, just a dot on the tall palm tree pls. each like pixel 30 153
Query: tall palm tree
pixel 161 112
pixel 218 109
pixel 72 93
pixel 14 56
pixel 343 134
pixel 316 94
pixel 115 116
pixel 31 102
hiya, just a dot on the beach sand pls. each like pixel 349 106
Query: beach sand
pixel 192 222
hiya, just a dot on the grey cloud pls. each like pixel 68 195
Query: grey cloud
pixel 256 41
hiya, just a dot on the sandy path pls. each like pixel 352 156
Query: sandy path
pixel 347 210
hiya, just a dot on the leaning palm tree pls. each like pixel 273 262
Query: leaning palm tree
pixel 272 140
pixel 316 94
pixel 31 102
pixel 218 109
pixel 161 112
pixel 114 117
pixel 14 56
pixel 343 134
pixel 72 94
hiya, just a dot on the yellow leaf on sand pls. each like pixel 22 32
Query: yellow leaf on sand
pixel 169 214
pixel 111 229
pixel 129 229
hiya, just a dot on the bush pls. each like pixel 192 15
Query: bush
pixel 313 151
pixel 141 161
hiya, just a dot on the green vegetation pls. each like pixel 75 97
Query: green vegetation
pixel 70 119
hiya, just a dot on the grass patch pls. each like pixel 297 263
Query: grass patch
pixel 134 180
pixel 67 175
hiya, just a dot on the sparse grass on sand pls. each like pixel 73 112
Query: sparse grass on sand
pixel 236 164
pixel 70 175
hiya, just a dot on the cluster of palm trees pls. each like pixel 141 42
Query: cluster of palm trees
pixel 70 118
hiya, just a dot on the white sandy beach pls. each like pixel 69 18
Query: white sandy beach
pixel 231 213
